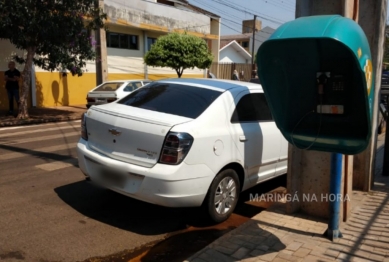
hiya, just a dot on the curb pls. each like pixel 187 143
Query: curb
pixel 224 237
pixel 38 121
pixel 236 231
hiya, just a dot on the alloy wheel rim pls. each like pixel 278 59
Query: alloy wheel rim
pixel 225 195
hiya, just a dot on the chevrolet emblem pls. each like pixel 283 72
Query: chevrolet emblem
pixel 114 132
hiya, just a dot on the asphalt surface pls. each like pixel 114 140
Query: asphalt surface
pixel 48 212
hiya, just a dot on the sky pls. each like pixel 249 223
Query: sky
pixel 272 13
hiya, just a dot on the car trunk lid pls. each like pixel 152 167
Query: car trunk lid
pixel 101 96
pixel 129 134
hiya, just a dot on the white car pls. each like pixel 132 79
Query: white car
pixel 111 91
pixel 184 143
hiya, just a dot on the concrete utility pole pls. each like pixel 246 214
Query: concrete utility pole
pixel 372 18
pixel 101 51
pixel 253 44
pixel 385 170
pixel 309 171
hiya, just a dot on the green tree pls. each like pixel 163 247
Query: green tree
pixel 179 52
pixel 54 34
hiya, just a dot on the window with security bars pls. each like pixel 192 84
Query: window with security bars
pixel 123 41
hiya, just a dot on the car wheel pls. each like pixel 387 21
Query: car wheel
pixel 223 195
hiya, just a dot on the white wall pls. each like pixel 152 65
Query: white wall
pixel 125 61
pixel 7 51
pixel 146 12
pixel 230 55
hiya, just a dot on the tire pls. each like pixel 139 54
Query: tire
pixel 219 210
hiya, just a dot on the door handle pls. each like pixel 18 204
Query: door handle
pixel 242 138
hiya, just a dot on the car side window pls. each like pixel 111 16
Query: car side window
pixel 137 85
pixel 128 88
pixel 132 86
pixel 252 108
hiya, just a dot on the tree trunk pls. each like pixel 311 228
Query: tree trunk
pixel 26 76
pixel 178 73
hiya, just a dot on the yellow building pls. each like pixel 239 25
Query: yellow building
pixel 133 26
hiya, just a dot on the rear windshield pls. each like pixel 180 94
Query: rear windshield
pixel 109 86
pixel 175 99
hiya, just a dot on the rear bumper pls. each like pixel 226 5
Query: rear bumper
pixel 171 186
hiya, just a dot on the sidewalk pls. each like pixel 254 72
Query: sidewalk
pixel 44 115
pixel 272 235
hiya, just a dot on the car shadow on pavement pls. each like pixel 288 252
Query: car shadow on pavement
pixel 42 155
pixel 254 243
pixel 53 112
pixel 143 218
pixel 204 245
pixel 126 213
pixel 177 247
pixel 79 107
pixel 250 244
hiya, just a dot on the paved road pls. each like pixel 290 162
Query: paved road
pixel 48 212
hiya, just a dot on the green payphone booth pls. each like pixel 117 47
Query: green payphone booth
pixel 318 78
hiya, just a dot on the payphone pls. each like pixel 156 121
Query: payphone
pixel 331 93
pixel 317 76
pixel 316 73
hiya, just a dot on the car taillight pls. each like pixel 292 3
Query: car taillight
pixel 109 100
pixel 84 132
pixel 90 99
pixel 175 148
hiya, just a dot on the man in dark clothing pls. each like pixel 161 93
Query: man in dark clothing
pixel 12 85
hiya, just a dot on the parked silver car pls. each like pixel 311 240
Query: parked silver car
pixel 111 91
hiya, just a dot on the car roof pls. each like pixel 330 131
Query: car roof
pixel 126 80
pixel 219 84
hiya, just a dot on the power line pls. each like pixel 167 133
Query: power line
pixel 236 7
pixel 259 41
pixel 272 19
pixel 231 21
pixel 231 27
pixel 233 3
pixel 218 10
pixel 247 26
pixel 289 8
pixel 198 11
pixel 286 3
pixel 239 7
pixel 238 31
